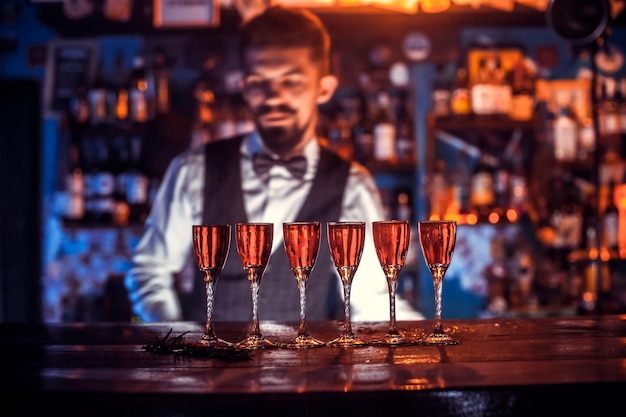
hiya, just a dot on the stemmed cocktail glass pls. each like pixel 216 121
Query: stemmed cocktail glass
pixel 254 244
pixel 302 242
pixel 391 240
pixel 210 244
pixel 346 241
pixel 437 240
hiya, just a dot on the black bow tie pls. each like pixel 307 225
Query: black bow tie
pixel 262 163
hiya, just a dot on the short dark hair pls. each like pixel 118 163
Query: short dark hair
pixel 283 27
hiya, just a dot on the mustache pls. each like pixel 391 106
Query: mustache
pixel 282 108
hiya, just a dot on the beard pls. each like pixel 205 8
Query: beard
pixel 280 139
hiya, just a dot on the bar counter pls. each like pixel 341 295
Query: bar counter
pixel 503 367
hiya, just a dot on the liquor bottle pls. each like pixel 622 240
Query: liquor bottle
pixel 204 95
pixel 501 188
pixel 482 193
pixel 586 138
pixel 225 124
pixel 482 95
pixel 438 190
pixel 610 219
pixel 405 133
pixel 384 130
pixel 120 160
pixel 518 186
pixel 461 187
pixel 460 98
pixel 345 140
pixel 160 77
pixel 622 116
pixel 523 100
pixel 102 184
pixel 121 87
pixel 441 93
pixel 79 105
pixel 138 92
pixel 502 90
pixel 99 97
pixel 620 202
pixel 137 184
pixel 404 211
pixel 74 209
pixel 565 136
pixel 608 122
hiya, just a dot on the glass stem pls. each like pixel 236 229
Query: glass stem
pixel 438 274
pixel 302 280
pixel 392 284
pixel 253 277
pixel 209 283
pixel 347 321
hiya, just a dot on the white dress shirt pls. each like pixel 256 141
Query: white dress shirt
pixel 275 197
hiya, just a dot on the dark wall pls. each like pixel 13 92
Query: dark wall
pixel 20 223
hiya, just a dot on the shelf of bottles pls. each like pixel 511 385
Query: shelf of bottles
pixel 111 121
pixel 509 149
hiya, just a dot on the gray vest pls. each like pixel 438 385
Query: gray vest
pixel 278 293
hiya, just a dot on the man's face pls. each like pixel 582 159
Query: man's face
pixel 283 88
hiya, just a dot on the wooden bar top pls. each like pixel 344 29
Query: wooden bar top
pixel 540 366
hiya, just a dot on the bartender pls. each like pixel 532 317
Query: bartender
pixel 278 173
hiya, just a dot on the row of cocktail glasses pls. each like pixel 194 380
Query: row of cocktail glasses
pixel 346 241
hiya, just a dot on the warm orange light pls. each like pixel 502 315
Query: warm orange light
pixel 494 218
pixel 471 219
pixel 435 6
pixel 511 214
pixel 402 6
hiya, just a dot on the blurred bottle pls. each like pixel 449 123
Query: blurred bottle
pixel 622 116
pixel 121 87
pixel 461 187
pixel 79 105
pixel 610 219
pixel 137 184
pixel 502 90
pixel 74 207
pixel 100 96
pixel 438 190
pixel 441 93
pixel 620 202
pixel 565 136
pixel 384 130
pixel 345 140
pixel 483 99
pixel 523 99
pixel 138 92
pixel 518 187
pixel 460 97
pixel 225 123
pixel 608 122
pixel 161 79
pixel 102 184
pixel 204 129
pixel 483 196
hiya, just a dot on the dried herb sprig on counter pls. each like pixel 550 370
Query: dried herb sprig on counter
pixel 178 346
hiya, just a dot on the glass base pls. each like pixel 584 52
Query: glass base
pixel 256 342
pixel 394 339
pixel 347 340
pixel 439 339
pixel 304 342
pixel 214 342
